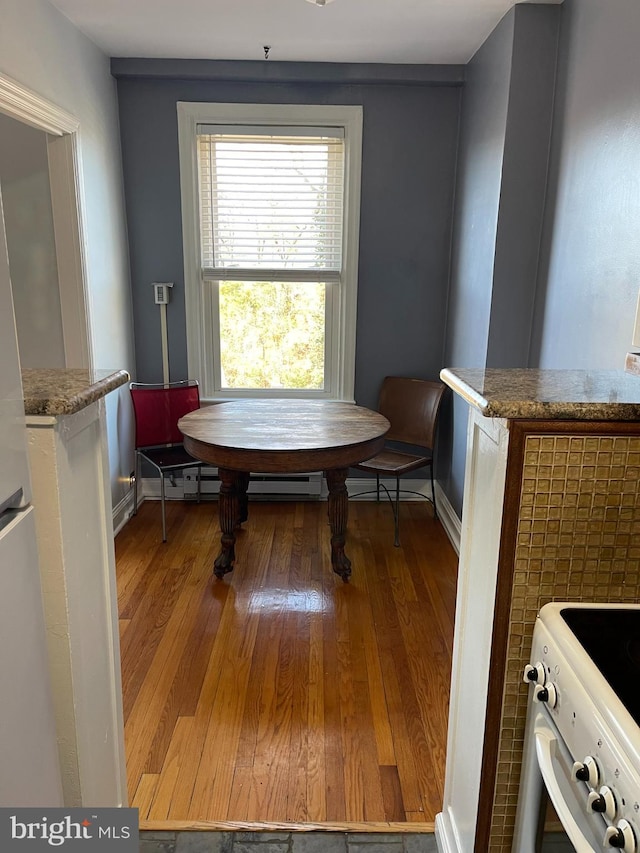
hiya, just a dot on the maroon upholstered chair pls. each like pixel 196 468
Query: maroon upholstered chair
pixel 157 409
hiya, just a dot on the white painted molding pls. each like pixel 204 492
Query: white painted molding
pixel 123 511
pixel 70 479
pixel 25 105
pixel 445 837
pixel 448 518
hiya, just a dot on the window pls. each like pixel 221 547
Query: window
pixel 270 206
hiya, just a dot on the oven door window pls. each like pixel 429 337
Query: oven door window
pixel 571 826
pixel 552 837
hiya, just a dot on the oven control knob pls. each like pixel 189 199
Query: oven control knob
pixel 621 836
pixel 587 771
pixel 546 693
pixel 534 673
pixel 603 801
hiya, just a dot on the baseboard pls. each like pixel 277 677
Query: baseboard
pixel 122 512
pixel 449 518
pixel 445 837
pixel 359 488
pixel 149 487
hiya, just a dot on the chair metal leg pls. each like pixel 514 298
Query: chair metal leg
pixel 378 487
pixel 164 522
pixel 396 514
pixel 199 475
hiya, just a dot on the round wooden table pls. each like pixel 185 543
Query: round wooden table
pixel 282 436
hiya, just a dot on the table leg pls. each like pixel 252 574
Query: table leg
pixel 229 509
pixel 243 485
pixel 338 514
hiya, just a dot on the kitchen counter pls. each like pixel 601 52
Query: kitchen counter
pixel 65 391
pixel 551 511
pixel 585 395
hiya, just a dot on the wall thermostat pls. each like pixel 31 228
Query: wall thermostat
pixel 161 292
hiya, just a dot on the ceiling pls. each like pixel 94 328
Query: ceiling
pixel 394 31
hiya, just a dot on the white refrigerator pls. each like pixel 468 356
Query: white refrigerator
pixel 29 764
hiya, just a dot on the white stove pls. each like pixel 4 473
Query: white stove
pixel 582 741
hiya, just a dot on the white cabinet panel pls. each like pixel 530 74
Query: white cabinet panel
pixel 29 767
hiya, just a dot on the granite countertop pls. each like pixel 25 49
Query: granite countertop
pixel 64 391
pixel 586 395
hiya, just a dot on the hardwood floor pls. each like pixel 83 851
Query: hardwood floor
pixel 281 694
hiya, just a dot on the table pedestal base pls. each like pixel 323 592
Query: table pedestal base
pixel 233 508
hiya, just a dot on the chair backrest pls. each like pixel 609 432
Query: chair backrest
pixel 158 408
pixel 411 406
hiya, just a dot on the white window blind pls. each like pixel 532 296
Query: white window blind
pixel 271 199
pixel 271 206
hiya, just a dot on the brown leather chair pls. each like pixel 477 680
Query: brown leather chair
pixel 411 406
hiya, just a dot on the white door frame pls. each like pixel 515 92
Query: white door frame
pixel 64 175
pixel 66 195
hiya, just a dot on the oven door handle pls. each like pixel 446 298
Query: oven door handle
pixel 547 752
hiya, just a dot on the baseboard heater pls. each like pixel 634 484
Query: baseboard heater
pixel 299 485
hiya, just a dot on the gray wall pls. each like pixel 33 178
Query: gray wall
pixel 28 222
pixel 577 311
pixel 409 153
pixel 589 263
pixel 590 270
pixel 41 50
pixel 482 138
pixel 525 165
pixel 504 148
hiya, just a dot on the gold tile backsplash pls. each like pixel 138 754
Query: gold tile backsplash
pixel 578 539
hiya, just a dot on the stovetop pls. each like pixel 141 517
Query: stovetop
pixel 586 661
pixel 591 651
pixel 611 638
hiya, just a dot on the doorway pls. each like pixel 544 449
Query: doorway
pixel 40 190
pixel 53 170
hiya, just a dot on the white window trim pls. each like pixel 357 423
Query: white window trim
pixel 341 349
